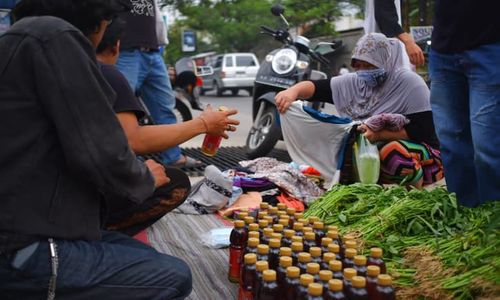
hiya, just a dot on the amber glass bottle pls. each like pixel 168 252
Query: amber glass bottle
pixel 358 288
pixel 303 259
pixel 315 291
pixel 247 277
pixel 360 265
pixel 335 291
pixel 238 240
pixel 372 273
pixel 302 290
pixel 336 268
pixel 269 288
pixel 384 290
pixel 290 289
pixel 327 257
pixel 375 259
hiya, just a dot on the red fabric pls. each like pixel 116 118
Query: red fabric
pixel 143 237
pixel 291 202
pixel 311 171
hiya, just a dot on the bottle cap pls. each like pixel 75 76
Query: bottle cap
pixel 334 248
pixel 325 241
pixel 332 227
pixel 312 268
pixel 298 215
pixel 281 213
pixel 273 210
pixel 304 221
pixel 328 256
pixel 292 272
pixel 254 234
pixel 285 251
pixel 304 257
pixel 244 209
pixel 276 235
pixel 313 219
pixel 384 279
pixel 350 244
pixel 306 230
pixel 242 215
pixel 248 220
pixel 290 211
pixel 253 227
pixel 250 258
pixel 285 261
pixel 315 251
pixel 296 247
pixel 269 219
pixel 268 232
pixel 376 252
pixel 297 226
pixel 325 275
pixel 350 252
pixel 263 249
pixel 274 243
pixel 310 236
pixel 289 233
pixel 318 225
pixel 261 265
pixel 315 289
pixel 306 279
pixel 264 205
pixel 262 214
pixel 263 223
pixel 358 282
pixel 239 224
pixel 347 237
pixel 278 228
pixel 335 265
pixel 269 275
pixel 335 285
pixel 281 206
pixel 360 260
pixel 373 271
pixel 333 234
pixel 349 273
pixel 297 239
pixel 253 242
pixel 283 222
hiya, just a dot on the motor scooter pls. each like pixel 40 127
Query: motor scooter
pixel 282 68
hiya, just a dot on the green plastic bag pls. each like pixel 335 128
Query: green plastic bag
pixel 366 160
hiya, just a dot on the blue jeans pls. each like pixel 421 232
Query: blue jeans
pixel 147 74
pixel 465 99
pixel 117 267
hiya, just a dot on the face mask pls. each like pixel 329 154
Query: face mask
pixel 373 77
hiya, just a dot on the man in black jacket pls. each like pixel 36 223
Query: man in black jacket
pixel 62 153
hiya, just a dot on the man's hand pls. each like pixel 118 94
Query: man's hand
pixel 412 49
pixel 158 172
pixel 218 122
pixel 369 134
pixel 285 98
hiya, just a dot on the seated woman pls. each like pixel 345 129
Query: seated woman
pixel 381 85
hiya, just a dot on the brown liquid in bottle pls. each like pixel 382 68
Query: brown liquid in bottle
pixel 269 289
pixel 247 277
pixel 375 259
pixel 238 239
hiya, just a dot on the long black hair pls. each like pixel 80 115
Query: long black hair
pixel 85 15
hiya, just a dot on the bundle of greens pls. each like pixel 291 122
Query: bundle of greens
pixel 435 248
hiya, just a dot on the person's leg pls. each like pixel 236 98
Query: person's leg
pixel 137 217
pixel 450 108
pixel 483 73
pixel 128 63
pixel 159 97
pixel 117 267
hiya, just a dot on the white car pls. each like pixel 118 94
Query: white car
pixel 231 72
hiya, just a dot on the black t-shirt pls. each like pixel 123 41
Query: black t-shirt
pixel 421 126
pixel 125 98
pixel 140 30
pixel 461 25
pixel 387 18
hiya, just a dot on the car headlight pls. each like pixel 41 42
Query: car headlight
pixel 284 61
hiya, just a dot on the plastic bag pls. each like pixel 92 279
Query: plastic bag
pixel 217 237
pixel 367 160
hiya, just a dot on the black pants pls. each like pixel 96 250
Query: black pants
pixel 131 218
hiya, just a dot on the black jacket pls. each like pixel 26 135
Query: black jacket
pixel 62 150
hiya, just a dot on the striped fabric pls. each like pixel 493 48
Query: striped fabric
pixel 178 235
pixel 404 162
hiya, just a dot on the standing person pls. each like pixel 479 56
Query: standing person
pixel 384 16
pixel 143 66
pixel 465 96
pixel 68 154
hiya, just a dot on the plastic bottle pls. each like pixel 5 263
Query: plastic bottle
pixel 324 277
pixel 211 143
pixel 384 290
pixel 360 265
pixel 263 252
pixel 273 212
pixel 247 277
pixel 344 239
pixel 278 228
pixel 375 259
pixel 358 288
pixel 302 290
pixel 269 288
pixel 315 255
pixel 242 215
pixel 253 227
pixel 281 206
pixel 277 236
pixel 263 206
pixel 309 240
pixel 274 253
pixel 313 269
pixel 336 268
pixel 349 244
pixel 285 262
pixel 296 249
pixel 334 235
pixel 303 259
pixel 262 214
pixel 348 261
pixel 268 234
pixel 313 219
pixel 286 251
pixel 335 290
pixel 297 239
pixel 332 227
pixel 297 227
pixel 304 222
pixel 349 273
pixel 238 239
pixel 315 291
pixel 283 221
pixel 372 273
pixel 335 249
pixel 290 289
pixel 291 212
pixel 287 239
pixel 324 244
pixel 319 231
pixel 260 266
pixel 262 225
pixel 252 244
pixel 327 257
pixel 270 220
pixel 254 235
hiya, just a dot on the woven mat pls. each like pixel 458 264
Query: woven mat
pixel 177 235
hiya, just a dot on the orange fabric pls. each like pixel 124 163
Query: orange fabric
pixel 291 202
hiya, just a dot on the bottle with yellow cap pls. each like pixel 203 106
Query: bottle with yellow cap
pixel 292 281
pixel 273 212
pixel 274 253
pixel 287 238
pixel 349 273
pixel 325 263
pixel 315 255
pixel 291 212
pixel 375 259
pixel 302 290
pixel 384 290
pixel 297 227
pixel 284 222
pixel 315 291
pixel 285 262
pixel 319 231
pixel 335 249
pixel 313 219
pixel 309 240
pixel 343 246
pixel 252 244
pixel 263 206
pixel 324 244
pixel 348 261
pixel 336 267
pixel 281 206
pixel 211 143
pixel 335 290
pixel 260 267
pixel 334 235
pixel 269 288
pixel 372 273
pixel 324 277
pixel 358 288
pixel 285 251
pixel 262 214
pixel 262 225
pixel 263 252
pixel 278 228
pixel 247 277
pixel 269 219
pixel 241 215
pixel 296 249
pixel 303 259
pixel 313 269
pixel 360 265
pixel 254 234
pixel 253 227
pixel 268 234
pixel 238 240
pixel 349 244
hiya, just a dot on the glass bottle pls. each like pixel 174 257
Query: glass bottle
pixel 375 259
pixel 384 290
pixel 290 289
pixel 348 261
pixel 327 257
pixel 324 277
pixel 274 253
pixel 358 288
pixel 372 273
pixel 319 231
pixel 260 266
pixel 315 254
pixel 238 240
pixel 302 290
pixel 336 268
pixel 269 288
pixel 247 277
pixel 309 240
pixel 349 273
pixel 360 265
pixel 335 290
pixel 263 252
pixel 303 259
pixel 287 239
pixel 296 249
pixel 313 269
pixel 315 291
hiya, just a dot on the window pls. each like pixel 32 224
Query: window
pixel 228 61
pixel 245 61
pixel 218 62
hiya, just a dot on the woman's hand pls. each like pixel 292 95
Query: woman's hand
pixel 218 122
pixel 369 134
pixel 285 98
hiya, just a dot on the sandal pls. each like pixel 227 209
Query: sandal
pixel 188 163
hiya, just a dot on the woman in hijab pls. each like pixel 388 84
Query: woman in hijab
pixel 392 103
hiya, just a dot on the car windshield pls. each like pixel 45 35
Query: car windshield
pixel 245 61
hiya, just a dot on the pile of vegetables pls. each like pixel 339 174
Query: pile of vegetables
pixel 435 248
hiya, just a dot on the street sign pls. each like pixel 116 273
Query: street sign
pixel 188 41
pixel 421 33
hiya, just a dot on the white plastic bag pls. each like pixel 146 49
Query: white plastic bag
pixel 367 160
pixel 216 237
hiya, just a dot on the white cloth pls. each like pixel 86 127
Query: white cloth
pixel 161 27
pixel 312 142
pixel 343 71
